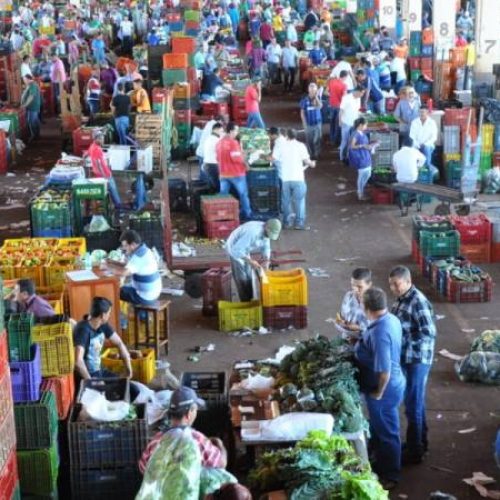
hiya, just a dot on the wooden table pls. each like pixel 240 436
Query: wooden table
pixel 81 293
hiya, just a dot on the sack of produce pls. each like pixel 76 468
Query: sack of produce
pixel 479 366
pixel 212 479
pixel 174 469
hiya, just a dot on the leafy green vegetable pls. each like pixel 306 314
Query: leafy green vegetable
pixel 488 341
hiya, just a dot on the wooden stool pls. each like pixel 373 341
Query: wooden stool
pixel 156 338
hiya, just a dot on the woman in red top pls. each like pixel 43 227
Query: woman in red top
pixel 233 169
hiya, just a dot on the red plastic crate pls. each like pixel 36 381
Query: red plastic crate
pixel 9 477
pixel 220 229
pixel 281 318
pixel 4 354
pixel 238 101
pixel 495 252
pixel 192 74
pixel 458 116
pixel 477 253
pixel 64 391
pixel 239 114
pixel 182 116
pixel 185 45
pixel 414 62
pixel 461 291
pixel 414 250
pixel 173 17
pixel 216 285
pixel 219 208
pixel 158 94
pixel 472 228
pixel 6 400
pixel 382 196
pixel 7 437
pixel 426 63
pixel 192 25
pixel 175 61
pixel 208 108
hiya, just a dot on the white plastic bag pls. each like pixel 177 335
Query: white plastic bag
pixel 295 426
pixel 98 408
pixel 257 383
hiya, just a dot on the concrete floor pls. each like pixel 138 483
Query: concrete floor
pixel 345 234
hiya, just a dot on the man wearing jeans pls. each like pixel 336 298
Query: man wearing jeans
pixel 294 159
pixel 424 132
pixel 419 334
pixel 348 114
pixel 337 87
pixel 120 105
pixel 233 169
pixel 31 101
pixel 273 52
pixel 253 96
pixel 289 61
pixel 310 114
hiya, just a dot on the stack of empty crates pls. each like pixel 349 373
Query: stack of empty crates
pixel 8 463
pixel 104 455
pixel 220 215
pixel 388 145
pixel 284 299
pixel 216 286
pixel 35 412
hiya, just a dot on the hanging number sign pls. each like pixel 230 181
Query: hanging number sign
pixel 443 23
pixel 387 13
pixel 415 15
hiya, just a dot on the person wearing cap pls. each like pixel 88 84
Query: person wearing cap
pixel 182 413
pixel 252 237
pixel 31 101
pixel 253 96
pixel 139 98
pixel 100 167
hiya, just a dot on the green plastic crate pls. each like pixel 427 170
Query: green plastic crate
pixel 38 470
pixel 485 163
pixel 415 74
pixel 172 76
pixel 36 422
pixel 48 215
pixel 415 50
pixel 14 121
pixel 19 336
pixel 453 174
pixel 445 244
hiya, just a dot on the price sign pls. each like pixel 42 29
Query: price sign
pixel 415 15
pixel 443 23
pixel 488 39
pixel 387 13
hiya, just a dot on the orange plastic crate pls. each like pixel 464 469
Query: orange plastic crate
pixel 495 252
pixel 64 392
pixel 458 57
pixel 183 45
pixel 477 253
pixel 182 91
pixel 175 61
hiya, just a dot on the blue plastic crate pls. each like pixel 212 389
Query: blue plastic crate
pixel 266 177
pixel 192 32
pixel 176 26
pixel 427 50
pixel 63 232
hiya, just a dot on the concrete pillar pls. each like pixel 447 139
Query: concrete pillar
pixel 487 39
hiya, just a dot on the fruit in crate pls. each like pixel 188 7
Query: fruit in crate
pixel 32 262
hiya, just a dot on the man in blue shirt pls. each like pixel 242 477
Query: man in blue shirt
pixel 317 55
pixel 373 97
pixel 251 237
pixel 419 334
pixel 310 114
pixel 378 353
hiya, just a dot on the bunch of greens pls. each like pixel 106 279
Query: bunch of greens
pixel 323 371
pixel 319 467
pixel 488 341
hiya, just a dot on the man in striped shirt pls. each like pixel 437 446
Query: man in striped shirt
pixel 183 410
pixel 141 267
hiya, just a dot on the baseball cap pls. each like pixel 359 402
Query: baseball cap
pixel 184 397
pixel 273 228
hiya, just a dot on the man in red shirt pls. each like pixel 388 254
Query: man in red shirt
pixel 253 96
pixel 100 167
pixel 337 87
pixel 266 33
pixel 233 169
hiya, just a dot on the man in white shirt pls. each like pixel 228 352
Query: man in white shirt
pixel 407 161
pixel 16 39
pixel 205 134
pixel 25 67
pixel 294 159
pixel 349 113
pixel 210 166
pixel 273 52
pixel 289 63
pixel 127 35
pixel 344 66
pixel 280 141
pixel 398 66
pixel 424 132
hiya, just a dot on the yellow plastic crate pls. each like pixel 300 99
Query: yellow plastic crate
pixel 143 369
pixel 8 268
pixel 238 315
pixel 284 288
pixel 56 348
pixel 452 157
pixel 55 271
pixel 34 273
pixel 78 244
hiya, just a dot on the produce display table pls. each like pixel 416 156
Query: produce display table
pixel 81 293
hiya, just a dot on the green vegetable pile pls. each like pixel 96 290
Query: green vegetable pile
pixel 319 376
pixel 488 341
pixel 319 467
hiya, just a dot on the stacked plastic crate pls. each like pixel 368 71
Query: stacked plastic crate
pixel 475 237
pixel 238 110
pixel 459 117
pixel 104 455
pixel 220 215
pixel 284 299
pixel 150 228
pixel 35 411
pixel 487 146
pixel 51 213
pixel 452 155
pixel 382 158
pixel 415 55
pixel 216 286
pixel 8 461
